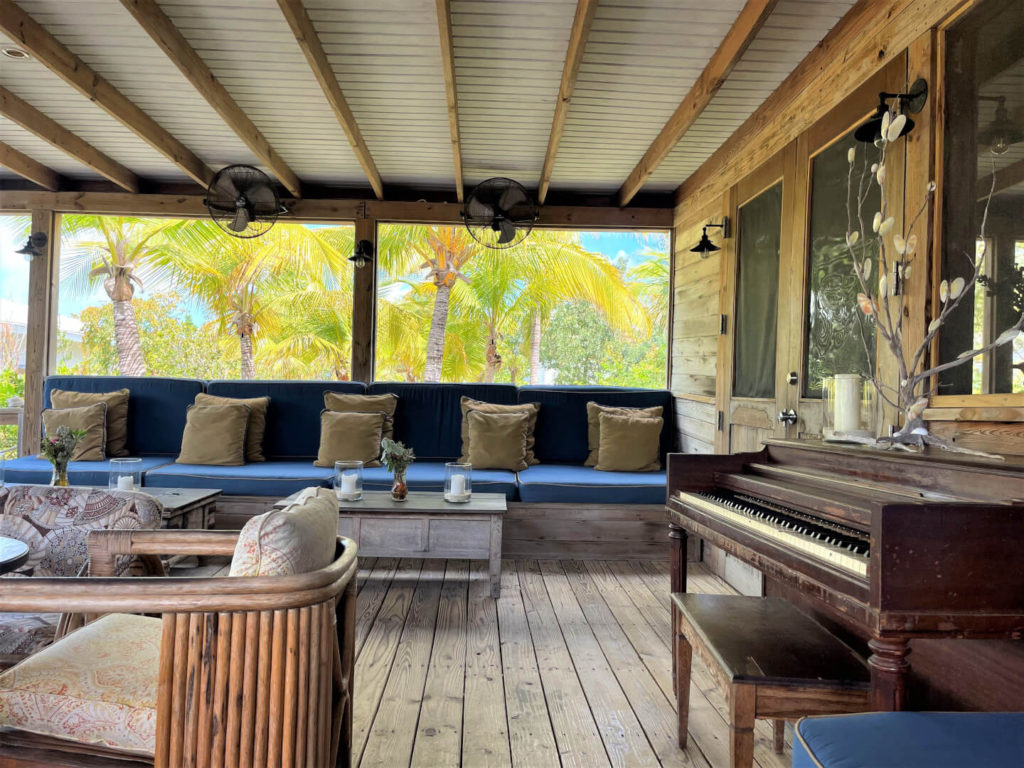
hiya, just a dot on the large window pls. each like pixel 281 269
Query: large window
pixel 13 319
pixel 561 308
pixel 167 297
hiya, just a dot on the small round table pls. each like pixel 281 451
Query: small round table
pixel 13 554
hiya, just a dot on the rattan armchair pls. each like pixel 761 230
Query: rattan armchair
pixel 251 670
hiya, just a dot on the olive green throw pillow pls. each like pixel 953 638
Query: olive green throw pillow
pixel 468 404
pixel 347 403
pixel 257 420
pixel 594 412
pixel 498 440
pixel 117 414
pixel 90 418
pixel 215 435
pixel 350 437
pixel 629 443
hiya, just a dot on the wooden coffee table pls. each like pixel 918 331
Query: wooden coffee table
pixel 186 507
pixel 425 525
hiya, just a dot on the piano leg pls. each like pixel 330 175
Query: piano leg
pixel 889 666
pixel 677 536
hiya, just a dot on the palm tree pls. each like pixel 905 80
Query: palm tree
pixel 121 252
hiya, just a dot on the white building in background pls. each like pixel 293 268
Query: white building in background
pixel 13 322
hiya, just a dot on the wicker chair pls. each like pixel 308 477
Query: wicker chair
pixel 236 672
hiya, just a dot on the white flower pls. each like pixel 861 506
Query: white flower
pixel 911 244
pixel 906 272
pixel 852 238
pixel 931 186
pixel 880 175
pixel 886 226
pixel 895 127
pixel 956 287
pixel 943 291
pixel 851 155
pixel 874 167
pixel 867 268
pixel 1008 335
pixel 934 325
pixel 899 244
pixel 882 285
pixel 877 221
pixel 886 118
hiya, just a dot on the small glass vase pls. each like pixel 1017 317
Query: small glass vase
pixel 125 475
pixel 60 475
pixel 399 488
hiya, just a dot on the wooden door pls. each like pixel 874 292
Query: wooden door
pixel 754 388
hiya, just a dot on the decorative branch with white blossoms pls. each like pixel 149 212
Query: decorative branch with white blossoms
pixel 883 303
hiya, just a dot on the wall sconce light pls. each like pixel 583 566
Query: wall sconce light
pixel 705 247
pixel 34 246
pixel 363 254
pixel 1002 131
pixel 910 103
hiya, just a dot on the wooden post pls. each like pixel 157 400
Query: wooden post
pixel 364 306
pixel 889 667
pixel 39 328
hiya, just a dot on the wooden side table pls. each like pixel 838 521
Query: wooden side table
pixel 186 507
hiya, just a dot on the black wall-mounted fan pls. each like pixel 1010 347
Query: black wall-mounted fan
pixel 499 213
pixel 243 201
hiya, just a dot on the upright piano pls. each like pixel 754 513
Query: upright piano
pixel 891 546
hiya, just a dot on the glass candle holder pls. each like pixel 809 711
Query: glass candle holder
pixel 849 407
pixel 458 482
pixel 125 474
pixel 348 480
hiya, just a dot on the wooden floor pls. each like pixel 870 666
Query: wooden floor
pixel 570 666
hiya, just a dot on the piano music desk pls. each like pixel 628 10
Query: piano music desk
pixel 771 660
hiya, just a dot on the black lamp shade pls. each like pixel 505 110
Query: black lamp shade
pixel 870 130
pixel 705 246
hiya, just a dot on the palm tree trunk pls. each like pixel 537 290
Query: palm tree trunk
pixel 248 365
pixel 493 359
pixel 435 340
pixel 535 349
pixel 126 335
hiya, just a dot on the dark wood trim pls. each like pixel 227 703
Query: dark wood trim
pixel 39 327
pixel 364 307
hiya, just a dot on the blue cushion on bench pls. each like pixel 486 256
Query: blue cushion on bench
pixel 156 407
pixel 293 418
pixel 265 478
pixel 573 484
pixel 29 469
pixel 910 740
pixel 429 476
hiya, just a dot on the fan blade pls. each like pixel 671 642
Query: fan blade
pixel 511 197
pixel 241 220
pixel 508 231
pixel 478 210
pixel 262 198
pixel 226 186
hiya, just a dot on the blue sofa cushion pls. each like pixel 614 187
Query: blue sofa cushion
pixel 573 484
pixel 562 421
pixel 429 476
pixel 156 407
pixel 29 469
pixel 429 416
pixel 293 418
pixel 269 478
pixel 910 740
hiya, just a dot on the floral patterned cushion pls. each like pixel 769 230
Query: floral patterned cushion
pixel 297 539
pixel 25 633
pixel 96 686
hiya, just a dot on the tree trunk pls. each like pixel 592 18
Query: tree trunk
pixel 435 340
pixel 535 350
pixel 126 335
pixel 248 365
pixel 493 359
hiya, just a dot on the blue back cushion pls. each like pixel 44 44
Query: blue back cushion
pixel 293 418
pixel 156 407
pixel 562 422
pixel 429 418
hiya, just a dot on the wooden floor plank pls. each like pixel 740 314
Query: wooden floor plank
pixel 372 595
pixel 576 734
pixel 365 567
pixel 624 738
pixel 655 710
pixel 373 664
pixel 529 725
pixel 439 733
pixel 391 737
pixel 484 725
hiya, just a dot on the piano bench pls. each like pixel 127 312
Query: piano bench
pixel 771 660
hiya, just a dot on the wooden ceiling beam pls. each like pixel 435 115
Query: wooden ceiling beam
pixel 585 10
pixel 1007 177
pixel 158 26
pixel 27 168
pixel 19 111
pixel 45 48
pixel 742 33
pixel 444 28
pixel 308 40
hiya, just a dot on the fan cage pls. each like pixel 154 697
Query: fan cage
pixel 235 183
pixel 484 227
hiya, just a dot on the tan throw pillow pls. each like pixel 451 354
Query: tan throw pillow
pixel 498 440
pixel 594 412
pixel 297 539
pixel 629 443
pixel 91 418
pixel 530 409
pixel 214 435
pixel 117 414
pixel 346 403
pixel 350 437
pixel 257 420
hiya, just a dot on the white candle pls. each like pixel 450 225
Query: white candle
pixel 348 482
pixel 458 485
pixel 847 406
pixel 125 483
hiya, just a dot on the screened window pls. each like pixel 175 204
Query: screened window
pixel 13 320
